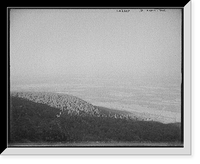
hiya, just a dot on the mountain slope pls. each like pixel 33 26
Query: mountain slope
pixel 66 103
pixel 69 104
pixel 36 117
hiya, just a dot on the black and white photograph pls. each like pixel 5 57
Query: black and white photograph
pixel 96 77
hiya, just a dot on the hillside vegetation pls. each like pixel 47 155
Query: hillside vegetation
pixel 51 117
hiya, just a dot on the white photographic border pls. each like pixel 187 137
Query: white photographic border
pixel 186 150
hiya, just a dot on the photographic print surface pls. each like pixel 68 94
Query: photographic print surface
pixel 96 77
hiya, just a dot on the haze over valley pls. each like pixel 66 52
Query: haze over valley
pixel 155 101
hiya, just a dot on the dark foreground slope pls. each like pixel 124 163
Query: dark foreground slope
pixel 36 122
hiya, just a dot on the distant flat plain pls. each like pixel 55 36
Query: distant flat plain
pixel 158 101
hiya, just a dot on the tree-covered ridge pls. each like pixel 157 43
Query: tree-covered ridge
pixel 68 104
pixel 39 122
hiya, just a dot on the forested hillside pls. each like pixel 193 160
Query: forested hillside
pixel 50 117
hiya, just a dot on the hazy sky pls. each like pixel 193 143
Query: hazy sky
pixel 46 42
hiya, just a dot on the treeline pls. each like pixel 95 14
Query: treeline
pixel 37 122
pixel 67 103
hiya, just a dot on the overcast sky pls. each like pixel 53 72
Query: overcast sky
pixel 95 42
